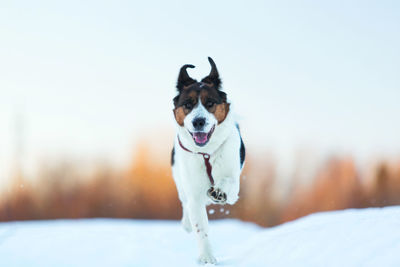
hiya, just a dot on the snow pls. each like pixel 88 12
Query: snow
pixel 368 237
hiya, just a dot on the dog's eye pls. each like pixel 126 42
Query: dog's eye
pixel 188 105
pixel 209 104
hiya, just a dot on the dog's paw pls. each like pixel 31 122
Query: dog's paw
pixel 216 195
pixel 207 258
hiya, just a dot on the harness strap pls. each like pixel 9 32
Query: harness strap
pixel 206 158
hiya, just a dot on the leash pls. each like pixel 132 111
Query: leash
pixel 206 158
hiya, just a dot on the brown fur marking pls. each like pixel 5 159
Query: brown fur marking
pixel 179 115
pixel 221 111
pixel 206 92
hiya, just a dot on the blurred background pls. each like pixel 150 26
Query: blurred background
pixel 86 88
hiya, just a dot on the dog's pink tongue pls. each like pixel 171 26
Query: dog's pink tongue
pixel 200 138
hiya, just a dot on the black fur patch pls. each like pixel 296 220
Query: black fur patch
pixel 173 156
pixel 242 150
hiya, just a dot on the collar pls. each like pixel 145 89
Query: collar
pixel 206 158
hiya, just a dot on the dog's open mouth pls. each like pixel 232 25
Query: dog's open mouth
pixel 202 138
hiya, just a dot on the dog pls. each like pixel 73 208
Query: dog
pixel 208 153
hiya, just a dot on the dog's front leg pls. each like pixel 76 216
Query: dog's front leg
pixel 198 217
pixel 231 186
pixel 226 190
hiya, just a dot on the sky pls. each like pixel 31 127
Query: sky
pixel 90 78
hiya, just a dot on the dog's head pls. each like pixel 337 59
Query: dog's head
pixel 200 106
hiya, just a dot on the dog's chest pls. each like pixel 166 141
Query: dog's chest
pixel 196 166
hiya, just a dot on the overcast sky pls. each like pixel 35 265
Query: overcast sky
pixel 89 78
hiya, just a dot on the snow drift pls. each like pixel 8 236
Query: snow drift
pixel 368 237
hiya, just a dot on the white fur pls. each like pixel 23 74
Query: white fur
pixel 200 111
pixel 191 178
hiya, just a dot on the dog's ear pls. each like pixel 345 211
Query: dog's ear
pixel 222 95
pixel 213 77
pixel 176 99
pixel 184 79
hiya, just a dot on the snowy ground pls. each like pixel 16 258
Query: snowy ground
pixel 369 237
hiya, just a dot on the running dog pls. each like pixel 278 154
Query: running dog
pixel 208 154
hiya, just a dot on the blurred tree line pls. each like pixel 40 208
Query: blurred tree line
pixel 146 190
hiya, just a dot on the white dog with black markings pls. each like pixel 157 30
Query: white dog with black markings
pixel 208 153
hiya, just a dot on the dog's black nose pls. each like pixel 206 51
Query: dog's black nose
pixel 198 123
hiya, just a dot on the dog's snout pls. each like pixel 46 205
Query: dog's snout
pixel 198 123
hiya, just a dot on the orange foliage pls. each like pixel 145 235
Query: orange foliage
pixel 146 190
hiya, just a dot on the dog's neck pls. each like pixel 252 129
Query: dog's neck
pixel 221 133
